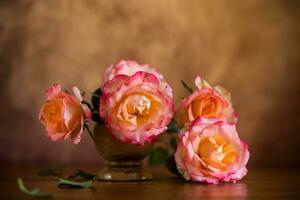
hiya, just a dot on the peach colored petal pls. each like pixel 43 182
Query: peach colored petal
pixel 52 91
pixel 87 111
pixel 76 135
pixel 72 113
pixel 77 93
pixel 201 84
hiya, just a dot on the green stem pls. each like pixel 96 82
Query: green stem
pixel 187 87
pixel 95 95
pixel 89 131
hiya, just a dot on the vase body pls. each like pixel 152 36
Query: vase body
pixel 123 161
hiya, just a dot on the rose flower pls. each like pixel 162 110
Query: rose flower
pixel 210 151
pixel 63 114
pixel 206 101
pixel 137 108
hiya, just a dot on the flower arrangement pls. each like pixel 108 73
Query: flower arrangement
pixel 135 104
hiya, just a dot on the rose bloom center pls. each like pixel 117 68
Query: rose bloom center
pixel 208 106
pixel 217 152
pixel 52 111
pixel 135 108
pixel 52 115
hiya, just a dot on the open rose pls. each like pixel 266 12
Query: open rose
pixel 63 114
pixel 210 151
pixel 207 102
pixel 136 108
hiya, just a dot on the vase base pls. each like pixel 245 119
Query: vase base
pixel 124 173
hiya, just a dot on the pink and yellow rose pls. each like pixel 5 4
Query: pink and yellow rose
pixel 63 114
pixel 208 102
pixel 136 103
pixel 210 151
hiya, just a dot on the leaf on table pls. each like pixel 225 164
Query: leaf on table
pixel 35 192
pixel 63 183
pixel 82 174
pixel 158 156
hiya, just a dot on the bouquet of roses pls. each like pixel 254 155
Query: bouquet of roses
pixel 137 106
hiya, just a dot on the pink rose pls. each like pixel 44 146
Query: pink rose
pixel 129 68
pixel 137 108
pixel 63 114
pixel 207 102
pixel 210 151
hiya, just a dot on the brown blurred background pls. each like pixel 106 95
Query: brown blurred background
pixel 250 47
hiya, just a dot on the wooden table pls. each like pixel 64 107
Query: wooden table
pixel 263 183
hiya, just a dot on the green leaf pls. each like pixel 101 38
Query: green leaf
pixel 96 95
pixel 96 98
pixel 53 171
pixel 173 142
pixel 171 165
pixel 172 127
pixel 187 87
pixel 35 192
pixel 96 117
pixel 72 184
pixel 84 175
pixel 158 156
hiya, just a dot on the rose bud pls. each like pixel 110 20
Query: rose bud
pixel 206 101
pixel 63 114
pixel 210 151
pixel 137 108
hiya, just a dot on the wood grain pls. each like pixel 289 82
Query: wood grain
pixel 264 183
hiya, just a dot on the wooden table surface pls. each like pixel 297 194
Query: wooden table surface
pixel 263 183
